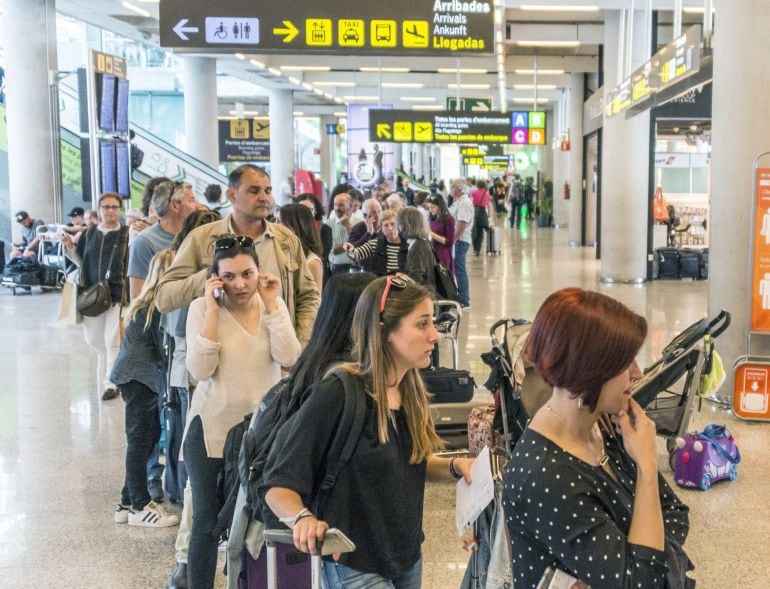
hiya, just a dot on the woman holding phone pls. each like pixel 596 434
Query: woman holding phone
pixel 583 494
pixel 239 336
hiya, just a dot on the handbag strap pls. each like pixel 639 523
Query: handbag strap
pixel 711 434
pixel 115 245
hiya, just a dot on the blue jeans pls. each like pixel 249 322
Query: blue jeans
pixel 461 271
pixel 338 576
pixel 176 416
pixel 142 433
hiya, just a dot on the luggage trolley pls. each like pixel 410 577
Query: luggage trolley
pixel 51 257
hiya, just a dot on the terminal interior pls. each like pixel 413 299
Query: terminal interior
pixel 695 144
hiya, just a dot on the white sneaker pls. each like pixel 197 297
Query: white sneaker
pixel 121 513
pixel 152 516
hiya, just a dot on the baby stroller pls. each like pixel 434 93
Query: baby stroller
pixel 666 389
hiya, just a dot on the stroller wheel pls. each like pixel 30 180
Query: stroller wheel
pixel 672 460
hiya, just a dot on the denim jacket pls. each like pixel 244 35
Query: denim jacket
pixel 141 356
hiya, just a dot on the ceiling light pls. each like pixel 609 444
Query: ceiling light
pixel 259 64
pixel 418 98
pixel 338 84
pixel 462 70
pixel 427 107
pixel 328 96
pixel 360 98
pixel 307 86
pixel 386 70
pixel 224 118
pixel 539 72
pixel 298 113
pixel 693 127
pixel 696 10
pixel 294 80
pixel 150 1
pixel 338 100
pixel 548 43
pixel 274 71
pixel 305 68
pixel 468 86
pixel 529 100
pixel 318 91
pixel 402 85
pixel 239 56
pixel 252 113
pixel 136 9
pixel 342 113
pixel 532 86
pixel 560 8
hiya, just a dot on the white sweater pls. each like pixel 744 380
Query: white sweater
pixel 240 368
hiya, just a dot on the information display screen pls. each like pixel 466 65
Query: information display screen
pixel 121 107
pixel 107 158
pixel 123 160
pixel 107 103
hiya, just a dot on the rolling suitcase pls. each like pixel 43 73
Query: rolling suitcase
pixel 704 264
pixel 292 568
pixel 689 264
pixel 668 261
pixel 494 240
pixel 451 419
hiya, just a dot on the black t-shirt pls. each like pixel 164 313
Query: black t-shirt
pixel 377 500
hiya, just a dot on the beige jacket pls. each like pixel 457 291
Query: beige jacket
pixel 185 280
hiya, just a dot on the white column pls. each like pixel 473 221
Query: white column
pixel 625 170
pixel 281 135
pixel 419 161
pixel 560 172
pixel 199 76
pixel 397 158
pixel 575 155
pixel 29 39
pixel 737 140
pixel 328 146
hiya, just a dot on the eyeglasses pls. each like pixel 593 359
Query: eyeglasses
pixel 399 280
pixel 110 207
pixel 228 241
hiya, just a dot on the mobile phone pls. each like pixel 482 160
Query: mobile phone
pixel 336 541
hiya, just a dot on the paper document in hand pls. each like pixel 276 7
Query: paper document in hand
pixel 472 499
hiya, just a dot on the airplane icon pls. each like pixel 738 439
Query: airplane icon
pixel 260 127
pixel 422 128
pixel 415 32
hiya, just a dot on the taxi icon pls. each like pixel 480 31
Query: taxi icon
pixel 350 35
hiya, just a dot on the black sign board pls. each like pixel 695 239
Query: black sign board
pixel 397 27
pixel 407 126
pixel 244 140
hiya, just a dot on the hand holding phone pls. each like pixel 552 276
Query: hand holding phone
pixel 213 291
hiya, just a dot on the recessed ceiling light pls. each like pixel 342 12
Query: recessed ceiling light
pixel 418 98
pixel 328 96
pixel 259 64
pixel 427 107
pixel 539 72
pixel 318 91
pixel 468 86
pixel 532 86
pixel 676 129
pixel 136 9
pixel 529 100
pixel 274 71
pixel 402 85
pixel 360 98
pixel 693 127
pixel 305 68
pixel 342 113
pixel 150 1
pixel 239 56
pixel 227 118
pixel 338 84
pixel 548 43
pixel 385 70
pixel 294 80
pixel 462 70
pixel 298 113
pixel 338 100
pixel 587 8
pixel 307 86
pixel 696 10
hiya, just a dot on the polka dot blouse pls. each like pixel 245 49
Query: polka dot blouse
pixel 564 513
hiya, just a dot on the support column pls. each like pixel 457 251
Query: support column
pixel 575 155
pixel 560 171
pixel 199 76
pixel 29 38
pixel 419 161
pixel 736 142
pixel 328 148
pixel 281 135
pixel 625 168
pixel 397 159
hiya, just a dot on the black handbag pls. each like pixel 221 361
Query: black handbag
pixel 448 385
pixel 94 300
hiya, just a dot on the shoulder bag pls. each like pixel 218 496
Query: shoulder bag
pixel 96 299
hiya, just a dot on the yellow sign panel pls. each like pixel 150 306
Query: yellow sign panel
pixel 383 33
pixel 318 32
pixel 415 33
pixel 350 33
pixel 261 129
pixel 239 129
pixel 423 131
pixel 402 131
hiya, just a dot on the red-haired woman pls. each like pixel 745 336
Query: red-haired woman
pixel 578 496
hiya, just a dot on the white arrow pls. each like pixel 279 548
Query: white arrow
pixel 755 386
pixel 180 29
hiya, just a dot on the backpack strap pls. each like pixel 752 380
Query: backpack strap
pixel 345 441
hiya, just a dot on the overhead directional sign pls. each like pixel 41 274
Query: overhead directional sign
pixel 469 104
pixel 397 27
pixel 407 126
pixel 244 140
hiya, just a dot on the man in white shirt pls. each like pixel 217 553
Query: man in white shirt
pixel 462 211
pixel 340 222
pixel 285 192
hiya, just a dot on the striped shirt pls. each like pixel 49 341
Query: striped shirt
pixel 366 251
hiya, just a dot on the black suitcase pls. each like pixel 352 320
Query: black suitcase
pixel 689 264
pixel 2 256
pixel 704 264
pixel 49 275
pixel 668 261
pixel 448 385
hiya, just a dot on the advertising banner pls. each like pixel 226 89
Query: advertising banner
pixel 370 162
pixel 760 289
pixel 244 140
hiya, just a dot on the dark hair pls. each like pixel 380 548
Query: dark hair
pixel 299 219
pixel 339 189
pixel 234 178
pixel 232 252
pixel 106 195
pixel 481 184
pixel 420 198
pixel 438 200
pixel 319 208
pixel 330 341
pixel 193 221
pixel 213 193
pixel 580 339
pixel 149 189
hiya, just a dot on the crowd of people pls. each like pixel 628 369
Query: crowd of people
pixel 208 312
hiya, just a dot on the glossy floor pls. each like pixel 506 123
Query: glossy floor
pixel 62 449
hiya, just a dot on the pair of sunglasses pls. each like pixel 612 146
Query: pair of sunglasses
pixel 226 242
pixel 398 280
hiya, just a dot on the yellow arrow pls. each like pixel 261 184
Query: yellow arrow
pixel 383 130
pixel 290 31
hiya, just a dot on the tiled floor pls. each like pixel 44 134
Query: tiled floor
pixel 61 448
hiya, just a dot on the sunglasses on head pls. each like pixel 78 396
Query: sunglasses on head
pixel 398 280
pixel 228 241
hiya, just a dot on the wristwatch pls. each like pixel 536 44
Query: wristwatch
pixel 292 520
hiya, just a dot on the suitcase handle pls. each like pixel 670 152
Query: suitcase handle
pixel 275 537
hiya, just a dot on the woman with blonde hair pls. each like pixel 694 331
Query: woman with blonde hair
pixel 377 499
pixel 139 372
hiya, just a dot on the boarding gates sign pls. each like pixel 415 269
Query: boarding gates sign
pixel 396 27
pixel 244 140
pixel 408 126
